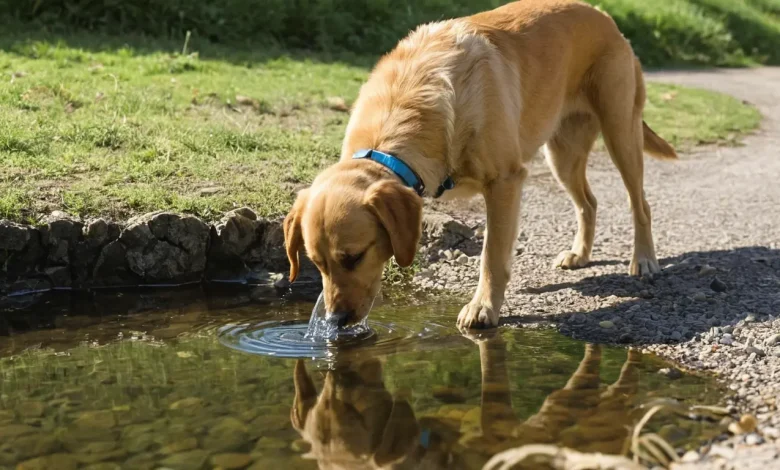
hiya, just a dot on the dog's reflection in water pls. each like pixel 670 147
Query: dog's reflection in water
pixel 354 422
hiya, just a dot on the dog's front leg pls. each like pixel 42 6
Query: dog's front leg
pixel 502 199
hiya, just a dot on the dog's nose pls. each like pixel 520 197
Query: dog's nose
pixel 340 318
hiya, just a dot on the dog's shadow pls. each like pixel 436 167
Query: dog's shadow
pixel 693 293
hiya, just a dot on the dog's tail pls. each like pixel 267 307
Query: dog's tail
pixel 656 146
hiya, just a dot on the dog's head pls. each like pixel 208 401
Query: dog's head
pixel 351 221
pixel 354 423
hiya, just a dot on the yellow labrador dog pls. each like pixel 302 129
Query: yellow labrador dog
pixel 465 104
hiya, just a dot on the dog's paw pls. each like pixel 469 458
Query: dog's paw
pixel 570 260
pixel 476 315
pixel 643 266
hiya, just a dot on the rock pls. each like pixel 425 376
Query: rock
pixel 463 259
pixel 146 461
pixel 269 443
pixel 96 420
pixel 31 409
pixel 190 403
pixel 772 340
pixel 231 238
pixel 180 445
pixel 690 457
pixel 10 431
pixel 59 276
pixel 62 233
pixel 22 252
pixel 227 435
pixel 191 460
pixel 753 439
pixel 676 335
pixel 606 324
pixel 111 268
pixel 86 251
pixel 700 297
pixel 718 286
pixel 166 248
pixel 103 466
pixel 269 249
pixel 50 462
pixel 754 350
pixel 746 424
pixel 726 340
pixel 231 461
pixel 29 446
pixel 13 237
pixel 671 373
pixel 707 270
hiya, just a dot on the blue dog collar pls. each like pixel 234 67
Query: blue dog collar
pixel 402 170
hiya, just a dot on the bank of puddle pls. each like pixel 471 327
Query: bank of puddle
pixel 213 383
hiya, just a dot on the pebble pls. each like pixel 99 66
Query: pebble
pixel 772 340
pixel 690 457
pixel 231 461
pixel 676 335
pixel 186 460
pixel 50 462
pixel 706 270
pixel 754 350
pixel 700 296
pixel 670 372
pixel 187 403
pixel 718 286
pixel 726 340
pixel 753 439
pixel 31 409
pixel 606 324
pixel 463 259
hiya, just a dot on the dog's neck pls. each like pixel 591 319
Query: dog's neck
pixel 431 171
pixel 407 109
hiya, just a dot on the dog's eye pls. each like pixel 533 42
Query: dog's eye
pixel 350 262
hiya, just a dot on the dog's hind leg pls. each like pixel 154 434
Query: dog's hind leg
pixel 502 200
pixel 567 155
pixel 618 99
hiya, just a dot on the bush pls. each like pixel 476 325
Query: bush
pixel 663 32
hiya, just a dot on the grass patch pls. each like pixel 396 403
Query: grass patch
pixel 664 32
pixel 100 131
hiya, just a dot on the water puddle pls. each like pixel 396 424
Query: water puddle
pixel 212 383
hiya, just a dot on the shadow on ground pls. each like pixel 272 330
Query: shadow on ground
pixel 693 293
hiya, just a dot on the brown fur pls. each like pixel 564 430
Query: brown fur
pixel 475 98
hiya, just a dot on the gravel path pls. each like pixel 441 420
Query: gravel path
pixel 716 221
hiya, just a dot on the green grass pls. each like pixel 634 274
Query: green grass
pixel 664 32
pixel 98 129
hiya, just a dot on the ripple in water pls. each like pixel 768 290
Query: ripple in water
pixel 317 339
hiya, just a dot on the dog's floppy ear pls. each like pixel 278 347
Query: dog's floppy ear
pixel 400 435
pixel 293 236
pixel 305 396
pixel 399 209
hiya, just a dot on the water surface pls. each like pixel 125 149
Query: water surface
pixel 140 381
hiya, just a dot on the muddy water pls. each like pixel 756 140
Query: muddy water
pixel 187 382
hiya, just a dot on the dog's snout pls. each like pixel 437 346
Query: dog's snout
pixel 341 318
